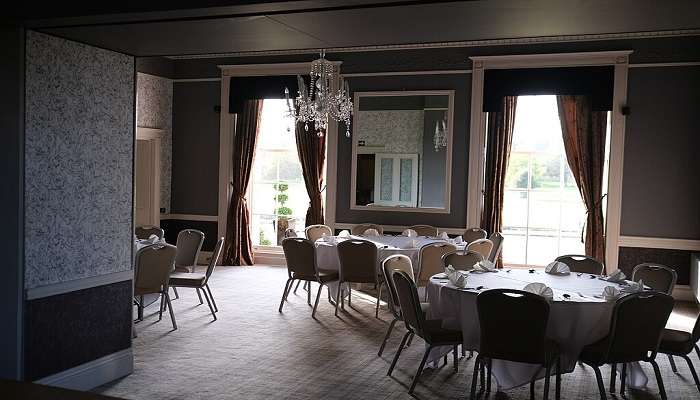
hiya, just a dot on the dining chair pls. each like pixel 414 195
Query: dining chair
pixel 425 230
pixel 657 276
pixel 153 265
pixel 502 312
pixel 300 255
pixel 481 246
pixel 361 228
pixel 416 322
pixel 430 261
pixel 409 233
pixel 582 264
pixel 472 234
pixel 636 326
pixel 681 344
pixel 497 239
pixel 145 231
pixel 315 232
pixel 461 260
pixel 199 281
pixel 189 243
pixel 358 264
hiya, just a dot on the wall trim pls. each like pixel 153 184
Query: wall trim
pixel 78 284
pixel 190 217
pixel 668 64
pixel 403 73
pixel 191 80
pixel 400 228
pixel 659 243
pixel 94 373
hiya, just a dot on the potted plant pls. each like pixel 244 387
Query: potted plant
pixel 283 213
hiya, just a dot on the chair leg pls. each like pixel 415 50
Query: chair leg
pixel 177 295
pixel 697 350
pixel 296 287
pixel 547 374
pixel 307 286
pixel 482 368
pixel 318 296
pixel 211 296
pixel 659 379
pixel 692 371
pixel 420 369
pixel 532 389
pixel 287 287
pixel 398 353
pixel 308 294
pixel 410 340
pixel 160 309
pixel 386 337
pixel 140 308
pixel 338 299
pixel 211 308
pixel 672 362
pixel 613 377
pixel 623 379
pixel 599 378
pixel 454 358
pixel 170 308
pixel 488 375
pixel 379 296
pixel 557 388
pixel 475 376
pixel 200 296
pixel 349 295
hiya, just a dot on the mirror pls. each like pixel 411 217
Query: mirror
pixel 402 151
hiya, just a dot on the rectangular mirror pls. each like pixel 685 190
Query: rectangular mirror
pixel 402 151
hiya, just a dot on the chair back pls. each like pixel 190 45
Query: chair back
pixel 289 232
pixel 513 325
pixel 396 262
pixel 189 243
pixel 462 260
pixel 497 239
pixel 425 230
pixel 696 330
pixel 659 277
pixel 315 232
pixel 214 258
pixel 409 232
pixel 472 234
pixel 481 246
pixel 430 260
pixel 361 228
pixel 409 302
pixel 153 265
pixel 358 261
pixel 300 255
pixel 581 263
pixel 145 231
pixel 637 323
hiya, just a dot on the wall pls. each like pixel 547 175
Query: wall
pixel 79 127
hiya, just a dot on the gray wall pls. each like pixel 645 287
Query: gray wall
pixel 195 173
pixel 433 164
pixel 661 183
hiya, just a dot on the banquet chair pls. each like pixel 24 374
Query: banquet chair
pixel 358 264
pixel 153 265
pixel 497 239
pixel 300 255
pixel 681 344
pixel 361 228
pixel 189 243
pixel 472 234
pixel 425 230
pixel 409 232
pixel 461 260
pixel 581 263
pixel 502 312
pixel 145 231
pixel 481 246
pixel 430 261
pixel 200 281
pixel 659 277
pixel 315 232
pixel 416 324
pixel 636 326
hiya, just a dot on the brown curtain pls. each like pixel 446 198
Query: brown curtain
pixel 583 130
pixel 238 248
pixel 312 154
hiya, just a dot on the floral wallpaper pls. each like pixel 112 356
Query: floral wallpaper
pixel 154 109
pixel 399 131
pixel 79 120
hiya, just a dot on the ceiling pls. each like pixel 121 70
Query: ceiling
pixel 254 26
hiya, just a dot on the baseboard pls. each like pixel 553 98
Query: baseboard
pixel 94 373
pixel 683 293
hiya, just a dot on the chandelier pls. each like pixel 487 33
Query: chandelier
pixel 440 135
pixel 319 103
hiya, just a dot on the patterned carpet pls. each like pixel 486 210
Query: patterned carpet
pixel 253 352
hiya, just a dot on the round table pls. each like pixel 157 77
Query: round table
pixel 574 322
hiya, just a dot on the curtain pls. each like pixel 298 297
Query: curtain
pixel 498 143
pixel 238 248
pixel 312 154
pixel 584 131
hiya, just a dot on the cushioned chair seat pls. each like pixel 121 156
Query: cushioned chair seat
pixel 324 275
pixel 435 333
pixel 676 342
pixel 190 279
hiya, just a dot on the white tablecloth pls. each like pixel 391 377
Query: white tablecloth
pixel 573 323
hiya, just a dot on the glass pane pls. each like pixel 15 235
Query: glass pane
pixel 276 127
pixel 516 175
pixel 545 171
pixel 386 179
pixel 406 181
pixel 513 246
pixel 514 209
pixel 542 247
pixel 290 167
pixel 544 209
pixel 571 245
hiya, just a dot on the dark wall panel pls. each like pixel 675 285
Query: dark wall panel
pixel 195 171
pixel 629 257
pixel 661 183
pixel 173 226
pixel 70 329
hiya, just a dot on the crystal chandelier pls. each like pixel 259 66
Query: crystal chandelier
pixel 440 135
pixel 319 103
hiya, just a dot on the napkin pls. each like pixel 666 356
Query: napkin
pixel 409 233
pixel 444 235
pixel 153 239
pixel 371 232
pixel 616 277
pixel 344 233
pixel 634 287
pixel 611 293
pixel 485 266
pixel 411 244
pixel 557 268
pixel 540 289
pixel 457 278
pixel 459 239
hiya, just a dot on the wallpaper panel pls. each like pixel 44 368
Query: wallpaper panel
pixel 154 104
pixel 78 160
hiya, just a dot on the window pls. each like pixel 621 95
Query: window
pixel 277 196
pixel 543 213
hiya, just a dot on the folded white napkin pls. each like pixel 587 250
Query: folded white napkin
pixel 344 233
pixel 329 239
pixel 485 266
pixel 616 277
pixel 610 293
pixel 371 232
pixel 459 239
pixel 444 235
pixel 411 244
pixel 540 289
pixel 634 287
pixel 409 233
pixel 457 278
pixel 557 268
pixel 153 239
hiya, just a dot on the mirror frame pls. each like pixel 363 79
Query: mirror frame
pixel 448 153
